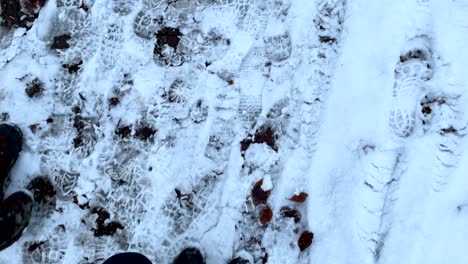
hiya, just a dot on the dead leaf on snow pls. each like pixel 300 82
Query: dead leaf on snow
pixel 299 198
pixel 259 196
pixel 266 214
pixel 305 240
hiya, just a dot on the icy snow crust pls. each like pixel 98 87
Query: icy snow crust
pixel 152 148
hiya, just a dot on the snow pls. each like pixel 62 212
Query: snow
pixel 385 180
pixel 267 184
pixel 261 156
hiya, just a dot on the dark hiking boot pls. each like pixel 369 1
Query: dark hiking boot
pixel 189 256
pixel 239 260
pixel 127 258
pixel 15 212
pixel 11 141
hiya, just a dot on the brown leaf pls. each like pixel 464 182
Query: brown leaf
pixel 305 240
pixel 266 214
pixel 259 196
pixel 299 198
pixel 264 134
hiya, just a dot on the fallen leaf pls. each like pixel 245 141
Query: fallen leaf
pixel 299 198
pixel 266 214
pixel 259 196
pixel 305 240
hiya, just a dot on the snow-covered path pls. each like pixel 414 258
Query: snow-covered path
pixel 166 124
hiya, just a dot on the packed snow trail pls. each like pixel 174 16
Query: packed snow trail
pixel 238 126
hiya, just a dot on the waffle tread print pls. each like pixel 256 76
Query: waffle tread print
pixel 414 68
pixel 51 249
pixel 252 77
pixel 188 212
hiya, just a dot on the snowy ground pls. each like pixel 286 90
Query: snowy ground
pixel 158 125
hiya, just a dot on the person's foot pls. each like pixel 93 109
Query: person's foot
pixel 239 260
pixel 127 258
pixel 15 212
pixel 11 141
pixel 189 256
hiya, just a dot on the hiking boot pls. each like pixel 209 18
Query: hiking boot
pixel 239 260
pixel 11 141
pixel 189 256
pixel 127 258
pixel 15 212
